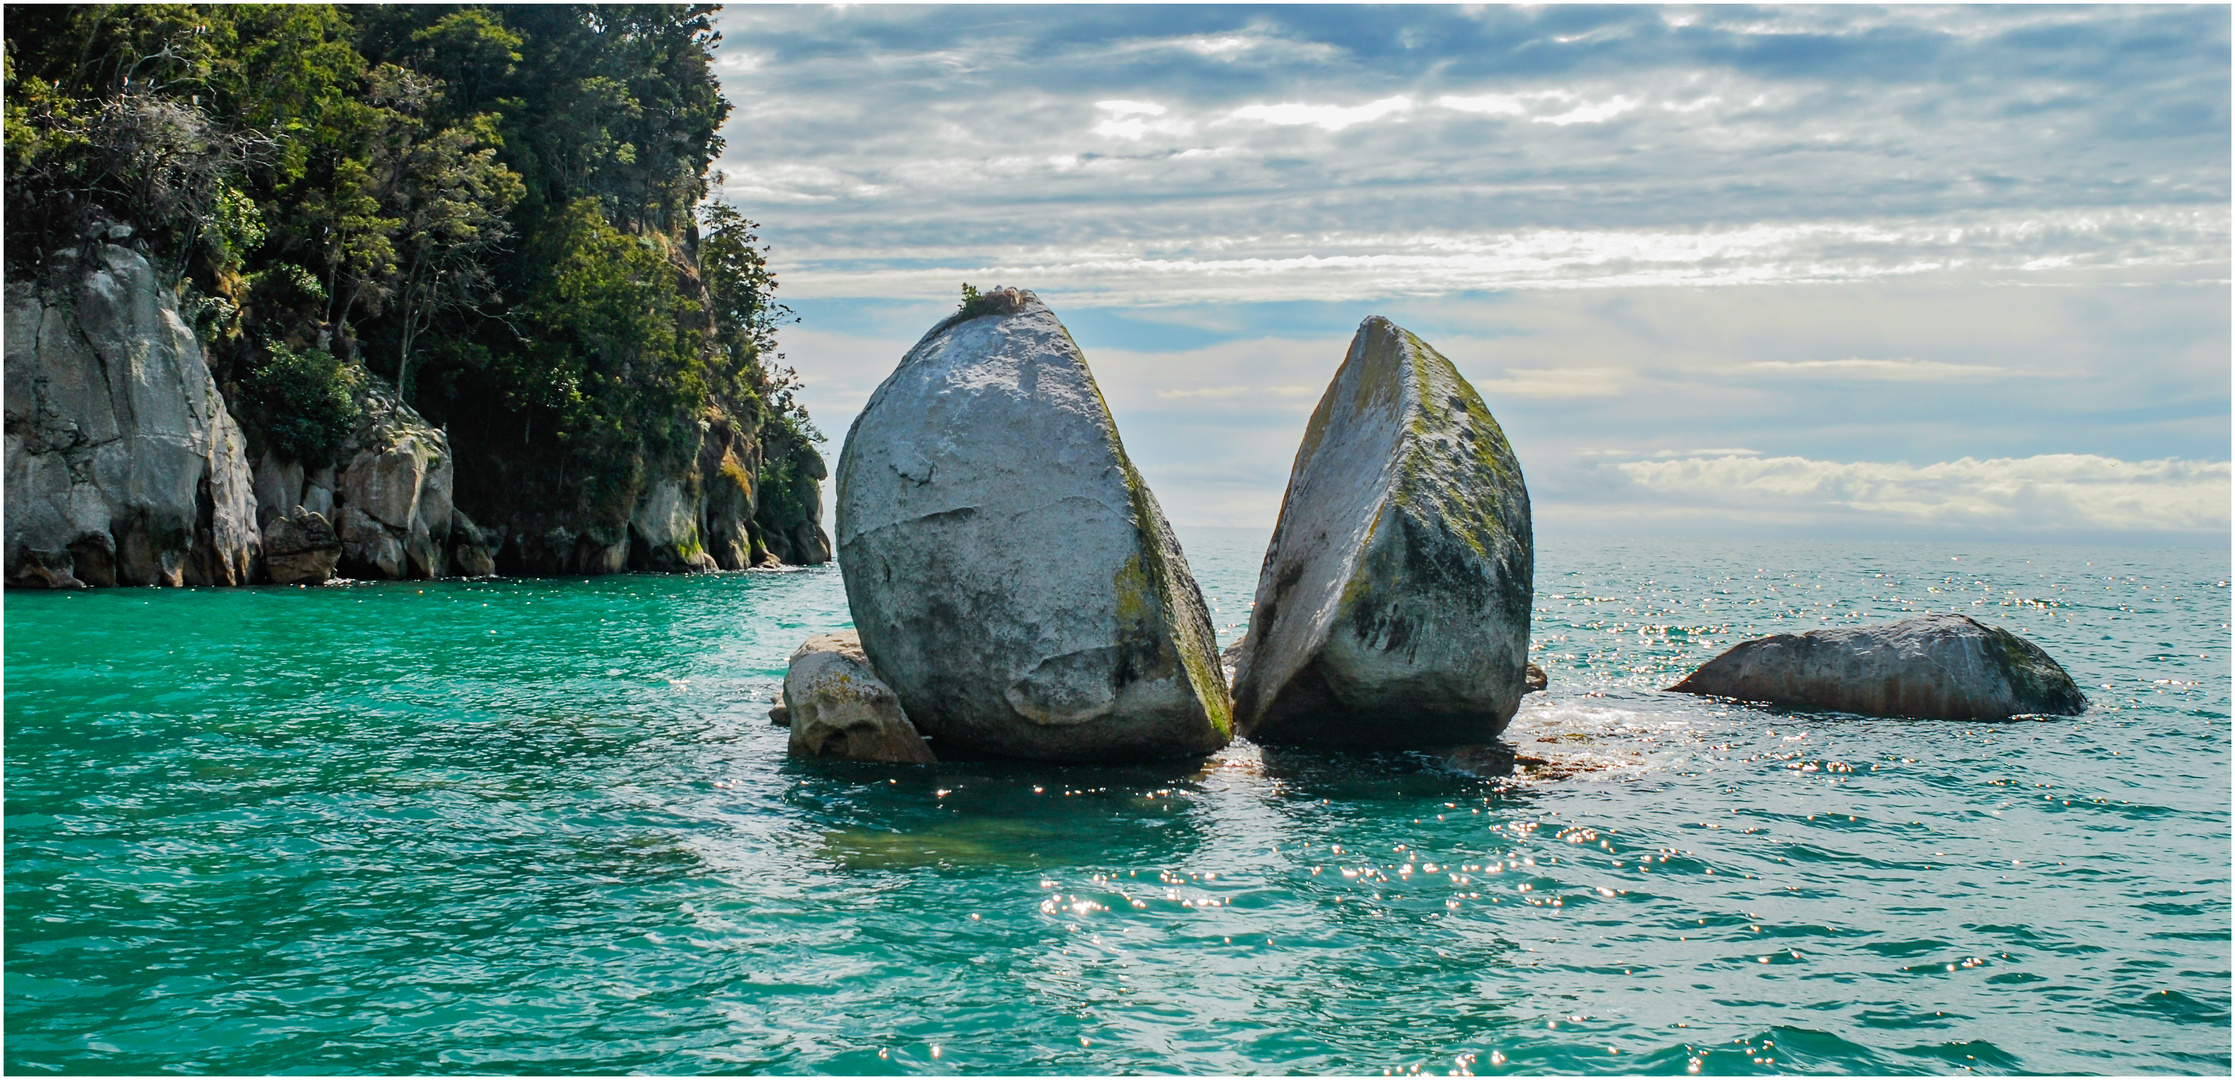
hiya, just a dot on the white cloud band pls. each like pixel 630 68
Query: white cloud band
pixel 2046 492
pixel 2191 244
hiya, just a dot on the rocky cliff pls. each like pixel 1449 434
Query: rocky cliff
pixel 123 466
pixel 388 497
pixel 713 507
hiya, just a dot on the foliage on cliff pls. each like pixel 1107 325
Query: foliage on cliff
pixel 500 209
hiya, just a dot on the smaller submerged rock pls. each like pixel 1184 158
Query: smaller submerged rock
pixel 1934 667
pixel 839 708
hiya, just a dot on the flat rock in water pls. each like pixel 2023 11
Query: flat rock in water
pixel 1937 667
pixel 1393 608
pixel 1011 576
pixel 839 708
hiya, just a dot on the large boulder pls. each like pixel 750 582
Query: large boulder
pixel 1011 576
pixel 123 467
pixel 1939 667
pixel 1393 607
pixel 394 489
pixel 837 707
pixel 664 531
pixel 472 548
pixel 300 549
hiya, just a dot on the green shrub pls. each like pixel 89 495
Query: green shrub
pixel 303 403
pixel 974 303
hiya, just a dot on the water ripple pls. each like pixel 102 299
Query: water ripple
pixel 545 827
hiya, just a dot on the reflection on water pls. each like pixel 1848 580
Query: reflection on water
pixel 546 827
pixel 1012 814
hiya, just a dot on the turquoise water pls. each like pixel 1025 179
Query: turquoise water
pixel 545 827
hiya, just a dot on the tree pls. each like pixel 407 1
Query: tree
pixel 452 194
pixel 741 291
pixel 503 202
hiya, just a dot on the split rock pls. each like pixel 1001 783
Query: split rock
pixel 1935 667
pixel 1393 608
pixel 839 708
pixel 1011 576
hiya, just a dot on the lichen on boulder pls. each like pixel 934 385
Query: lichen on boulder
pixel 1010 574
pixel 1935 667
pixel 1393 607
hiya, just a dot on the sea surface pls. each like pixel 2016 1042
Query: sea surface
pixel 546 827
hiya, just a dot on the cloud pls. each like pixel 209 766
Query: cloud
pixel 1555 383
pixel 1574 109
pixel 1899 370
pixel 2183 244
pixel 1807 231
pixel 1137 120
pixel 1489 104
pixel 1325 117
pixel 1709 451
pixel 1224 392
pixel 2044 492
pixel 1590 114
pixel 1330 151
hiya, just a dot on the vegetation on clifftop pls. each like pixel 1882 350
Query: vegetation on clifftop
pixel 501 210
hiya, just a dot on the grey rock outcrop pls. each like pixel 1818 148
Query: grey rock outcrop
pixel 1944 667
pixel 1010 575
pixel 664 532
pixel 472 549
pixel 702 509
pixel 122 465
pixel 837 707
pixel 729 464
pixel 801 542
pixel 389 498
pixel 394 490
pixel 301 549
pixel 1393 607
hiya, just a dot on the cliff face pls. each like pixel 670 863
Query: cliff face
pixel 388 499
pixel 709 510
pixel 123 467
pixel 740 491
pixel 790 515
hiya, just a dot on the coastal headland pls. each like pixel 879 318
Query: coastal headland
pixel 387 293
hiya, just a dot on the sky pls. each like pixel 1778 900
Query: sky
pixel 1894 273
